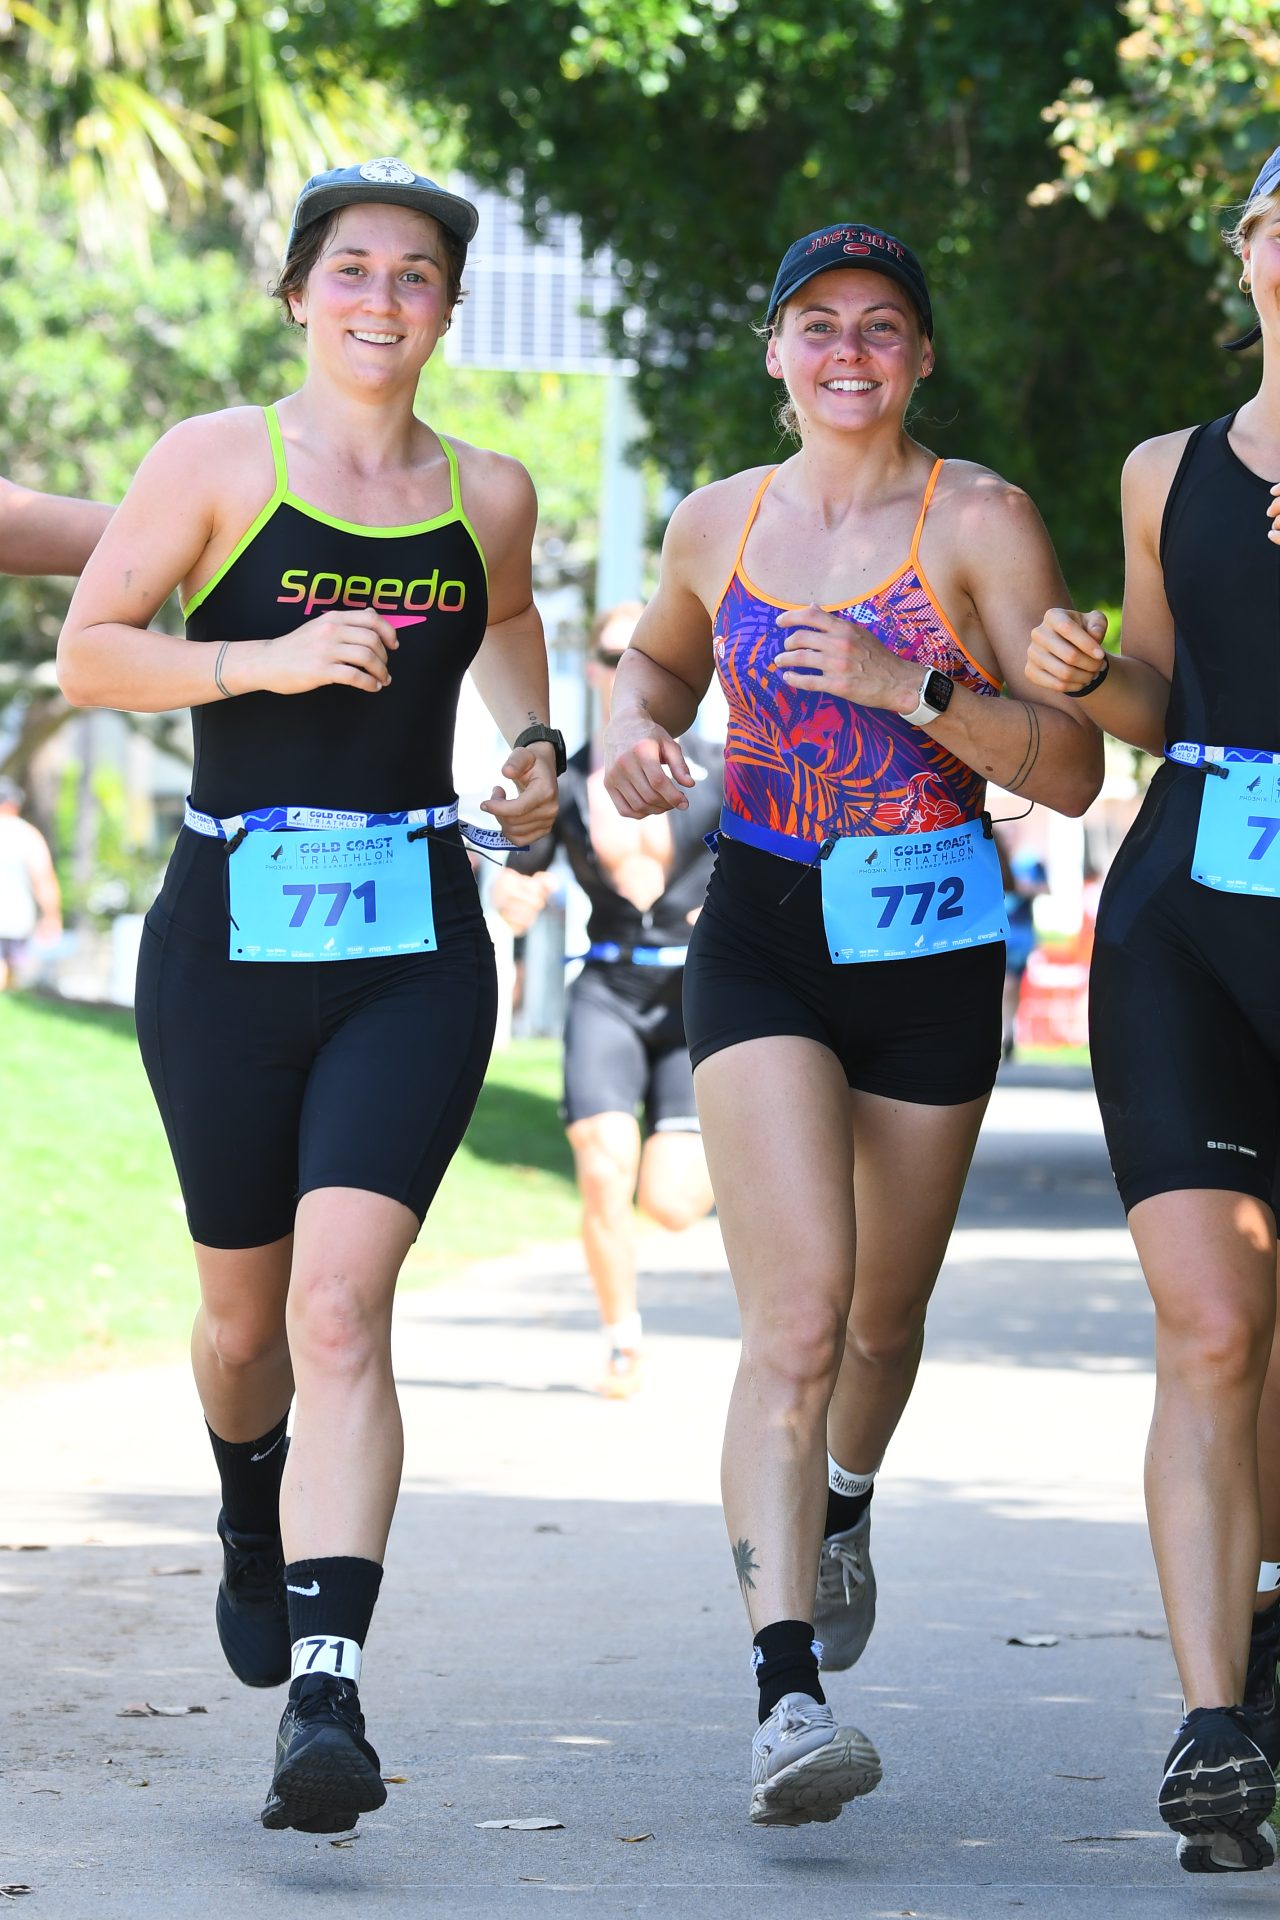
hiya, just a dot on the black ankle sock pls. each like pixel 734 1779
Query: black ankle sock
pixel 334 1596
pixel 1266 1621
pixel 844 1510
pixel 786 1663
pixel 250 1474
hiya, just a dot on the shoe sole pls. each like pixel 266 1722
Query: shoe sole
pixel 329 1779
pixel 1220 1817
pixel 818 1785
pixel 244 1644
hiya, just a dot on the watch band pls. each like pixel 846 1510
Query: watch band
pixel 925 711
pixel 551 734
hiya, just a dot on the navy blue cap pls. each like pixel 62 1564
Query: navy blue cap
pixel 1268 181
pixel 851 245
pixel 385 180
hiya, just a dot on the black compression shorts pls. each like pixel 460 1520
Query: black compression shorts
pixel 275 1080
pixel 1184 1015
pixel 926 1031
pixel 624 1047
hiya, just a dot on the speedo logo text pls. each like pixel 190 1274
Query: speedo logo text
pixel 403 602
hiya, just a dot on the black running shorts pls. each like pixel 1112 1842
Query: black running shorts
pixel 925 1031
pixel 624 1047
pixel 1184 1015
pixel 275 1080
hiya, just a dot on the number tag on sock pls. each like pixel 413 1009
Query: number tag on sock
pixel 337 893
pixel 899 896
pixel 321 1653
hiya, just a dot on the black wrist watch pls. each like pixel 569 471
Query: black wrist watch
pixel 553 734
pixel 936 690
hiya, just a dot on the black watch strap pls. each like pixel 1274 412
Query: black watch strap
pixel 554 735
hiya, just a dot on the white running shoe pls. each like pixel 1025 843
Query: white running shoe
pixel 804 1767
pixel 845 1608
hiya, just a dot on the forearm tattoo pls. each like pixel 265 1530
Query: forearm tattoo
pixel 744 1565
pixel 1031 755
pixel 218 680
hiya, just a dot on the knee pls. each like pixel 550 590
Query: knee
pixel 674 1210
pixel 240 1343
pixel 1216 1347
pixel 333 1326
pixel 888 1344
pixel 797 1357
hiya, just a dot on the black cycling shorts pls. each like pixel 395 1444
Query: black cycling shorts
pixel 624 1047
pixel 1184 1015
pixel 274 1080
pixel 925 1031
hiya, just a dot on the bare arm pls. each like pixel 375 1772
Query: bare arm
pixel 510 669
pixel 1066 649
pixel 107 654
pixel 46 533
pixel 1034 743
pixel 660 681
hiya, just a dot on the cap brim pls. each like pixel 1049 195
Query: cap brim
pixel 450 209
pixel 1249 339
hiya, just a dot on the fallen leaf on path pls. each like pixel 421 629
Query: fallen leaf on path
pixel 168 1573
pixel 1124 1633
pixel 139 1783
pixel 634 1839
pixel 22 1546
pixel 533 1879
pixel 613 1659
pixel 548 1526
pixel 1088 1839
pixel 145 1711
pixel 1079 1776
pixel 347 1840
pixel 1032 1640
pixel 396 1779
pixel 14 1888
pixel 521 1826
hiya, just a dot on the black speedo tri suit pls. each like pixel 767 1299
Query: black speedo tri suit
pixel 274 1080
pixel 624 1040
pixel 1185 990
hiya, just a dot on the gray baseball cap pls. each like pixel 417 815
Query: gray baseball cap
pixel 387 180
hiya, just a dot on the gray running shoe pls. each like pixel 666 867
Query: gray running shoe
pixel 845 1609
pixel 804 1767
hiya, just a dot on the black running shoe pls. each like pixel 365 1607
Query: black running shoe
pixel 1261 1691
pixel 252 1613
pixel 1217 1791
pixel 326 1771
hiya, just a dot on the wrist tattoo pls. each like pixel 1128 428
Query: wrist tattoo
pixel 218 680
pixel 1031 755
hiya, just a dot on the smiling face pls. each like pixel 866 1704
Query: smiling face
pixel 850 347
pixel 377 299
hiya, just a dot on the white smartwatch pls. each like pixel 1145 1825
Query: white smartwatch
pixel 936 690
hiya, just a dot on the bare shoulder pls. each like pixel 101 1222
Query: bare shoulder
pixel 497 480
pixel 979 509
pixel 719 506
pixel 1149 469
pixel 208 450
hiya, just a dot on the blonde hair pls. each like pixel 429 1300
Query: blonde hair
pixel 1249 216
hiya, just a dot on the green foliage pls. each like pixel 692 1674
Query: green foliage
pixel 697 140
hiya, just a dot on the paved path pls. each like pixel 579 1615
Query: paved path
pixel 561 1634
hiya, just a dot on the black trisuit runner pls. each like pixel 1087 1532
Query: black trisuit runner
pixel 274 1080
pixel 624 1039
pixel 1185 990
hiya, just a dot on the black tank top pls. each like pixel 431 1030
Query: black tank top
pixel 1222 582
pixel 341 746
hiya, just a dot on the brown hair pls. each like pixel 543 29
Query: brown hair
pixel 306 247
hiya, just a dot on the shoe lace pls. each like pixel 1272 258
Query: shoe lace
pixel 337 1700
pixel 254 1567
pixel 842 1561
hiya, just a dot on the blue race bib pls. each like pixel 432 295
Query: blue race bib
pixel 896 897
pixel 1238 840
pixel 331 893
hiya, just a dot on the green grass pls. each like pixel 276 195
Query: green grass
pixel 95 1262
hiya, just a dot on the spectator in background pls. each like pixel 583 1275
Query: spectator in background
pixel 1024 878
pixel 30 898
pixel 624 1042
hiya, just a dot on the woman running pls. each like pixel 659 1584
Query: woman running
pixel 1185 1028
pixel 316 993
pixel 862 603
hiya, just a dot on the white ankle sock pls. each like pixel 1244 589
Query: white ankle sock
pixel 843 1480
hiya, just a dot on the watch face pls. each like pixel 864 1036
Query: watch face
pixel 937 692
